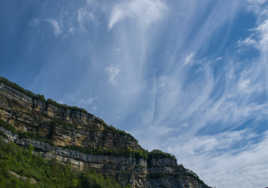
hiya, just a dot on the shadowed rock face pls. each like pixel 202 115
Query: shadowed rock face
pixel 71 135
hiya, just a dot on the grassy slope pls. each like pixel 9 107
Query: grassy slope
pixel 48 174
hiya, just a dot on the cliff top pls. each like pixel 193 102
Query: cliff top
pixel 38 96
pixel 33 96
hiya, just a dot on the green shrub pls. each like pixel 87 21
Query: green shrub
pixel 158 154
pixel 128 152
pixel 64 106
pixel 119 132
pixel 48 174
pixel 17 87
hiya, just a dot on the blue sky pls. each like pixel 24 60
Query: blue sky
pixel 186 76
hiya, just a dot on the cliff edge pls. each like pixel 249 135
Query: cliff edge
pixel 74 136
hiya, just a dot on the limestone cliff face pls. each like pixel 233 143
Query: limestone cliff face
pixel 71 135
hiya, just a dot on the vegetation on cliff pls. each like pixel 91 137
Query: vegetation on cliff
pixel 19 168
pixel 129 152
pixel 158 154
pixel 21 89
pixel 72 137
pixel 64 106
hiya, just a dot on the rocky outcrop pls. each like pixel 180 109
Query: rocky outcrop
pixel 71 135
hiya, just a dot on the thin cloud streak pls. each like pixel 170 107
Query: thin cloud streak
pixel 145 12
pixel 52 22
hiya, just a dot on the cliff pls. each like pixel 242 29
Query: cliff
pixel 72 135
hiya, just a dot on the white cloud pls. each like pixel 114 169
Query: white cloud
pixel 189 59
pixel 85 16
pixel 219 59
pixel 144 11
pixel 87 101
pixel 247 42
pixel 90 1
pixel 257 6
pixel 262 29
pixel 258 2
pixel 259 37
pixel 260 32
pixel 207 104
pixel 243 167
pixel 173 102
pixel 117 15
pixel 55 25
pixel 52 22
pixel 113 73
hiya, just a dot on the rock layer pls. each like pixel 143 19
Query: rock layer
pixel 71 135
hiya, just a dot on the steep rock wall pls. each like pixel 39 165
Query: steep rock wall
pixel 71 135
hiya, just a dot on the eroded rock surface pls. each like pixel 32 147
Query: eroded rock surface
pixel 71 135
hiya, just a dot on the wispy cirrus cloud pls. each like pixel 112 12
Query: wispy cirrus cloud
pixel 113 73
pixel 144 11
pixel 52 22
pixel 55 25
pixel 179 75
pixel 188 59
pixel 85 16
pixel 245 166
